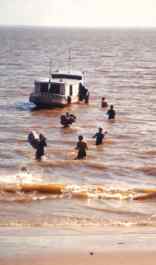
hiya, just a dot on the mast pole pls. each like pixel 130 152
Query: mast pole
pixel 50 66
pixel 69 60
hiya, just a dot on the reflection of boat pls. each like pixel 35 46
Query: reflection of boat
pixel 60 89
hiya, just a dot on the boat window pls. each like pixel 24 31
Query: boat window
pixel 44 87
pixel 37 87
pixel 62 90
pixel 70 90
pixel 55 88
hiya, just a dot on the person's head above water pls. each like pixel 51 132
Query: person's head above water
pixel 100 129
pixel 111 106
pixel 41 137
pixel 24 169
pixel 80 137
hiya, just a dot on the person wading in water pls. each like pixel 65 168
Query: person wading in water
pixel 67 119
pixel 99 136
pixel 111 113
pixel 40 147
pixel 81 147
pixel 38 142
pixel 104 103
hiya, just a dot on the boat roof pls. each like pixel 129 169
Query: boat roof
pixel 42 80
pixel 63 74
pixel 66 71
pixel 57 80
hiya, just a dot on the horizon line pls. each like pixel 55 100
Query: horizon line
pixel 76 26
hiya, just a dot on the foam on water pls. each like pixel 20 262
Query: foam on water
pixel 26 184
pixel 25 106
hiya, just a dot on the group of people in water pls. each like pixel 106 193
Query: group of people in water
pixel 67 119
pixel 81 145
pixel 39 142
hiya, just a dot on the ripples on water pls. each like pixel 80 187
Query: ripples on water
pixel 119 64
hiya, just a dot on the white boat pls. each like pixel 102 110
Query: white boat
pixel 61 89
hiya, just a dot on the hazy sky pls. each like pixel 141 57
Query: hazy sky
pixel 92 13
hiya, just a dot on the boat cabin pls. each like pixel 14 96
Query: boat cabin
pixel 58 90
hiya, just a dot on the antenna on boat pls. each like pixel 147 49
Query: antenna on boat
pixel 69 60
pixel 50 67
pixel 50 73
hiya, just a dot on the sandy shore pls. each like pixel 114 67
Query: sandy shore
pixel 105 258
pixel 48 247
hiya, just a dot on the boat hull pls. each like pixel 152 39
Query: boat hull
pixel 47 102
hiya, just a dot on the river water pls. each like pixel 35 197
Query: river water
pixel 116 184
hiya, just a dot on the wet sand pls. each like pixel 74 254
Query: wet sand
pixel 51 247
pixel 105 258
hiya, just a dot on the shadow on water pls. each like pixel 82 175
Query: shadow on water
pixel 45 107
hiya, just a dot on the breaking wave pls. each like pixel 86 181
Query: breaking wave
pixel 38 191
